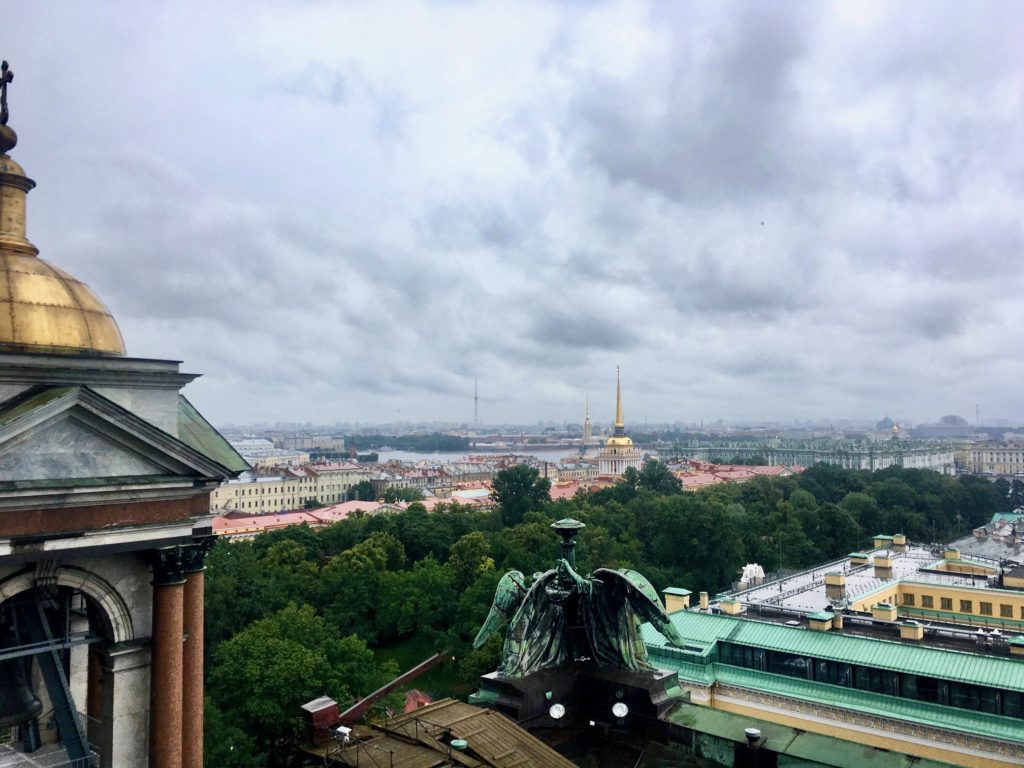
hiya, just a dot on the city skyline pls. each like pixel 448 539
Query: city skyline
pixel 353 213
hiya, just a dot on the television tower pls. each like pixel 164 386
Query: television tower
pixel 476 403
pixel 586 421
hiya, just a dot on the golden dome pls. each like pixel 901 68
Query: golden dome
pixel 42 308
pixel 619 440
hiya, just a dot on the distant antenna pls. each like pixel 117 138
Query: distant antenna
pixel 476 403
pixel 977 416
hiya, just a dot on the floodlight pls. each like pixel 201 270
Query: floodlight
pixel 557 711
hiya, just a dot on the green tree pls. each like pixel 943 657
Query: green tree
pixel 362 491
pixel 395 495
pixel 233 580
pixel 265 672
pixel 1002 486
pixel 468 558
pixel 864 509
pixel 657 478
pixel 518 490
pixel 1016 495
pixel 349 585
pixel 224 743
pixel 289 573
pixel 528 547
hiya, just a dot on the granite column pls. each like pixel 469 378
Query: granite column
pixel 192 666
pixel 165 712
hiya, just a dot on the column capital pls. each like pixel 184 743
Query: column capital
pixel 168 566
pixel 194 554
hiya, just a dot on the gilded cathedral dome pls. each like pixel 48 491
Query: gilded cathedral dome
pixel 44 309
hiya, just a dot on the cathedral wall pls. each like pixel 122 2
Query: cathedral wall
pixel 39 522
pixel 157 406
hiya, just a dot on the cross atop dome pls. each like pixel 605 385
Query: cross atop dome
pixel 43 309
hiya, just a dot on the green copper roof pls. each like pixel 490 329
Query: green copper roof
pixel 1007 517
pixel 196 432
pixel 677 591
pixel 28 401
pixel 938 715
pixel 793 743
pixel 704 630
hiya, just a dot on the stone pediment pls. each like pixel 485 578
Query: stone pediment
pixel 68 448
pixel 62 434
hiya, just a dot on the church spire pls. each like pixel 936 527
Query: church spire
pixel 620 425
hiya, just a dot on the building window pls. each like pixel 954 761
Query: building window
pixel 876 680
pixel 1006 611
pixel 908 598
pixel 985 609
pixel 946 603
pixel 966 606
pixel 927 601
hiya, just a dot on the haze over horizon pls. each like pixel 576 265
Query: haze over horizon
pixel 347 213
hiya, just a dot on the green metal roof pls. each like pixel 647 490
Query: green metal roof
pixel 705 630
pixel 821 616
pixel 29 400
pixel 198 433
pixel 816 747
pixel 1008 517
pixel 937 715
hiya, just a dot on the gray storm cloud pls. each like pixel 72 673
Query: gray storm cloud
pixel 760 211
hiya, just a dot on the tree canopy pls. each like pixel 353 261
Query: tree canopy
pixel 518 490
pixel 298 612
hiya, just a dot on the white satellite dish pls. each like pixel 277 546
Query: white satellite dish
pixel 557 711
pixel 620 710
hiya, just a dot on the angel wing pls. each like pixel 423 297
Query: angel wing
pixel 507 599
pixel 537 637
pixel 613 615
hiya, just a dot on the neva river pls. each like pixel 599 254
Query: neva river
pixel 448 456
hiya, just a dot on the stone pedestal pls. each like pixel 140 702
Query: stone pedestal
pixel 587 693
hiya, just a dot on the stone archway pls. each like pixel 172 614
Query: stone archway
pixel 114 609
pixel 108 679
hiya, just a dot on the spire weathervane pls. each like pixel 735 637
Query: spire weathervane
pixel 6 76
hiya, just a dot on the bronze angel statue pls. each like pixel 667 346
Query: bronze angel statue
pixel 565 618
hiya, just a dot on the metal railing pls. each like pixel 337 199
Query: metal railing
pixel 13 754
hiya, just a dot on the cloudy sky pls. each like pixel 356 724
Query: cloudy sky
pixel 348 211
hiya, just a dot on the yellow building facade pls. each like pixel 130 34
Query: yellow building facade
pixel 252 494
